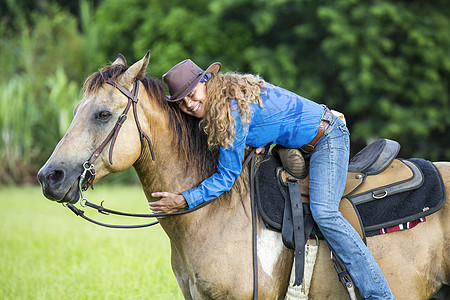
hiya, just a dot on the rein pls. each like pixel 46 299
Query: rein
pixel 101 209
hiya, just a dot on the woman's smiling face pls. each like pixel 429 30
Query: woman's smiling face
pixel 193 103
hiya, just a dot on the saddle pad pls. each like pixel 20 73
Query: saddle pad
pixel 269 193
pixel 407 206
pixel 391 210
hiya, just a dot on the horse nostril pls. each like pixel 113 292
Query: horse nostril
pixel 55 177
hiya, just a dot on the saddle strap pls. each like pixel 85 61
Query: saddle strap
pixel 293 228
pixel 344 276
pixel 287 229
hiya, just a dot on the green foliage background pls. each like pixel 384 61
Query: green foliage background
pixel 384 64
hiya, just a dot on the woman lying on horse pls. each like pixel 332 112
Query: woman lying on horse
pixel 238 110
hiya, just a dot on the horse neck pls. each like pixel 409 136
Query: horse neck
pixel 166 172
pixel 170 172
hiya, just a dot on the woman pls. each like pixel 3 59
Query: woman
pixel 238 110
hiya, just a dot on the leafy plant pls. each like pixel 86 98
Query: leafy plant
pixel 384 64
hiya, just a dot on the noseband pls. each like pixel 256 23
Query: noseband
pixel 88 175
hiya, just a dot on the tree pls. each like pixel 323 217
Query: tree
pixel 385 65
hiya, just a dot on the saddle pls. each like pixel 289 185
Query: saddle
pixel 398 190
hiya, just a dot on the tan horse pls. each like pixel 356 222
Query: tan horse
pixel 211 247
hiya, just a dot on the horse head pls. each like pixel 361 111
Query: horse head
pixel 98 116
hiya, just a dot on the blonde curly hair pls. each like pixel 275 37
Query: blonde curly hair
pixel 218 122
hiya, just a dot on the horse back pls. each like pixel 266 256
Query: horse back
pixel 444 214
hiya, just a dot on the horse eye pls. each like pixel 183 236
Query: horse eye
pixel 103 115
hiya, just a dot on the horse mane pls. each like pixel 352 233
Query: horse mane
pixel 189 138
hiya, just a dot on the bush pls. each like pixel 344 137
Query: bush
pixel 39 86
pixel 384 64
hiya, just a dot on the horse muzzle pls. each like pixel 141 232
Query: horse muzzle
pixel 58 184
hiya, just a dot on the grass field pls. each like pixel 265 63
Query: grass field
pixel 46 252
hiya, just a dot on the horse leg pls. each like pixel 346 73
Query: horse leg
pixel 180 273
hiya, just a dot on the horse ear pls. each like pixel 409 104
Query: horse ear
pixel 120 60
pixel 136 71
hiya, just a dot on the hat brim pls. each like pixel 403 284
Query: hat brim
pixel 213 69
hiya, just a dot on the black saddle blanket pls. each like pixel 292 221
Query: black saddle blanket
pixel 386 212
pixel 407 206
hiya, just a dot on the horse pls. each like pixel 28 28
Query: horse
pixel 211 247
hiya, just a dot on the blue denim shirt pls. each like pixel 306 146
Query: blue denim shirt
pixel 285 118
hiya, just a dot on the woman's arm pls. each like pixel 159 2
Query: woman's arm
pixel 228 170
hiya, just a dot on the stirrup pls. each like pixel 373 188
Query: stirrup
pixel 344 277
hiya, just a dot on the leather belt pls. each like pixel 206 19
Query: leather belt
pixel 324 123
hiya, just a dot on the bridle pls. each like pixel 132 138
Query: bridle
pixel 87 177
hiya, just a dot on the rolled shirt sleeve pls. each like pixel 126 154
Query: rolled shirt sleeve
pixel 228 169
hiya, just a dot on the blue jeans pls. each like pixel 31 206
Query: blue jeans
pixel 328 173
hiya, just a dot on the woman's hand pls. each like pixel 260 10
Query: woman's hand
pixel 169 203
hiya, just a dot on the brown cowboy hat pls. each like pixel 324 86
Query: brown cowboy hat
pixel 184 77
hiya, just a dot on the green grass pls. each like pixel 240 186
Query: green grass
pixel 46 252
